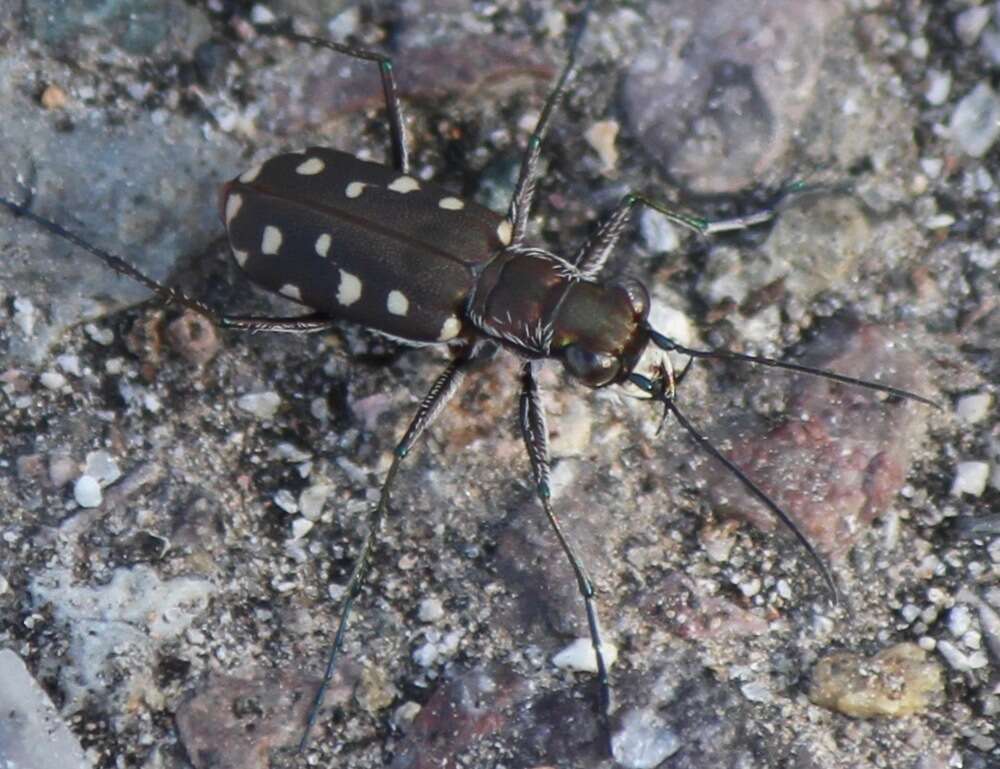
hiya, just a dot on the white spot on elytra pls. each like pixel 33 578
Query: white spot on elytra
pixel 397 304
pixel 271 241
pixel 451 328
pixel 241 257
pixel 233 203
pixel 292 292
pixel 405 184
pixel 505 231
pixel 354 189
pixel 451 204
pixel 349 290
pixel 248 176
pixel 323 244
pixel 311 167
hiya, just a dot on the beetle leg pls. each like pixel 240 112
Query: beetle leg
pixel 591 257
pixel 593 254
pixel 536 439
pixel 394 113
pixel 524 192
pixel 444 387
pixel 301 324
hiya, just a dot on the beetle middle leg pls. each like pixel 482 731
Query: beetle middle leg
pixel 536 439
pixel 527 179
pixel 444 387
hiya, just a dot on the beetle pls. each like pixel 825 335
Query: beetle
pixel 371 244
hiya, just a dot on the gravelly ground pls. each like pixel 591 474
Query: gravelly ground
pixel 179 622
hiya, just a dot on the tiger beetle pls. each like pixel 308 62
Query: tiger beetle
pixel 371 244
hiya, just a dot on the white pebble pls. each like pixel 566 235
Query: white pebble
pixel 261 14
pixel 52 380
pixel 580 656
pixel 959 620
pixel 970 478
pixel 312 499
pixel 969 24
pixel 644 741
pixel 103 336
pixel 938 87
pixel 425 655
pixel 263 405
pixel 103 467
pixel 659 235
pixel 974 408
pixel 975 123
pixel 430 610
pixel 959 660
pixel 25 315
pixel 286 501
pixel 301 527
pixel 69 363
pixel 87 491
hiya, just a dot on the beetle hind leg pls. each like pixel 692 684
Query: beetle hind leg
pixel 394 113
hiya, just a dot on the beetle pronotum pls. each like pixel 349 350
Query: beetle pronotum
pixel 341 236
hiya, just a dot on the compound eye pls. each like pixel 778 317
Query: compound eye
pixel 594 369
pixel 637 295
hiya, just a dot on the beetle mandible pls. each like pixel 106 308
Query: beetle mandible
pixel 371 244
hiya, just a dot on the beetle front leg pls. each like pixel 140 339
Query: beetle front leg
pixel 591 257
pixel 536 439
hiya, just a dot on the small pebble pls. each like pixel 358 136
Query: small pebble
pixel 426 654
pixel 25 315
pixel 53 97
pixel 87 491
pixel 656 231
pixel 312 499
pixel 103 336
pixel 286 501
pixel 261 14
pixel 601 136
pixel 52 380
pixel 896 682
pixel 62 469
pixel 959 660
pixel 959 620
pixel 405 713
pixel 974 408
pixel 301 527
pixel 430 610
pixel 69 363
pixel 103 467
pixel 644 741
pixel 970 478
pixel 263 405
pixel 579 656
pixel 969 24
pixel 975 123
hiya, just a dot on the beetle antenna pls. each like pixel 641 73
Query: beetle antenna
pixel 116 263
pixel 669 345
pixel 658 391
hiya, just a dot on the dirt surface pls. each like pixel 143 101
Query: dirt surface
pixel 184 620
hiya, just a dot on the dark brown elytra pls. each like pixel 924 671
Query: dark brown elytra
pixel 368 243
